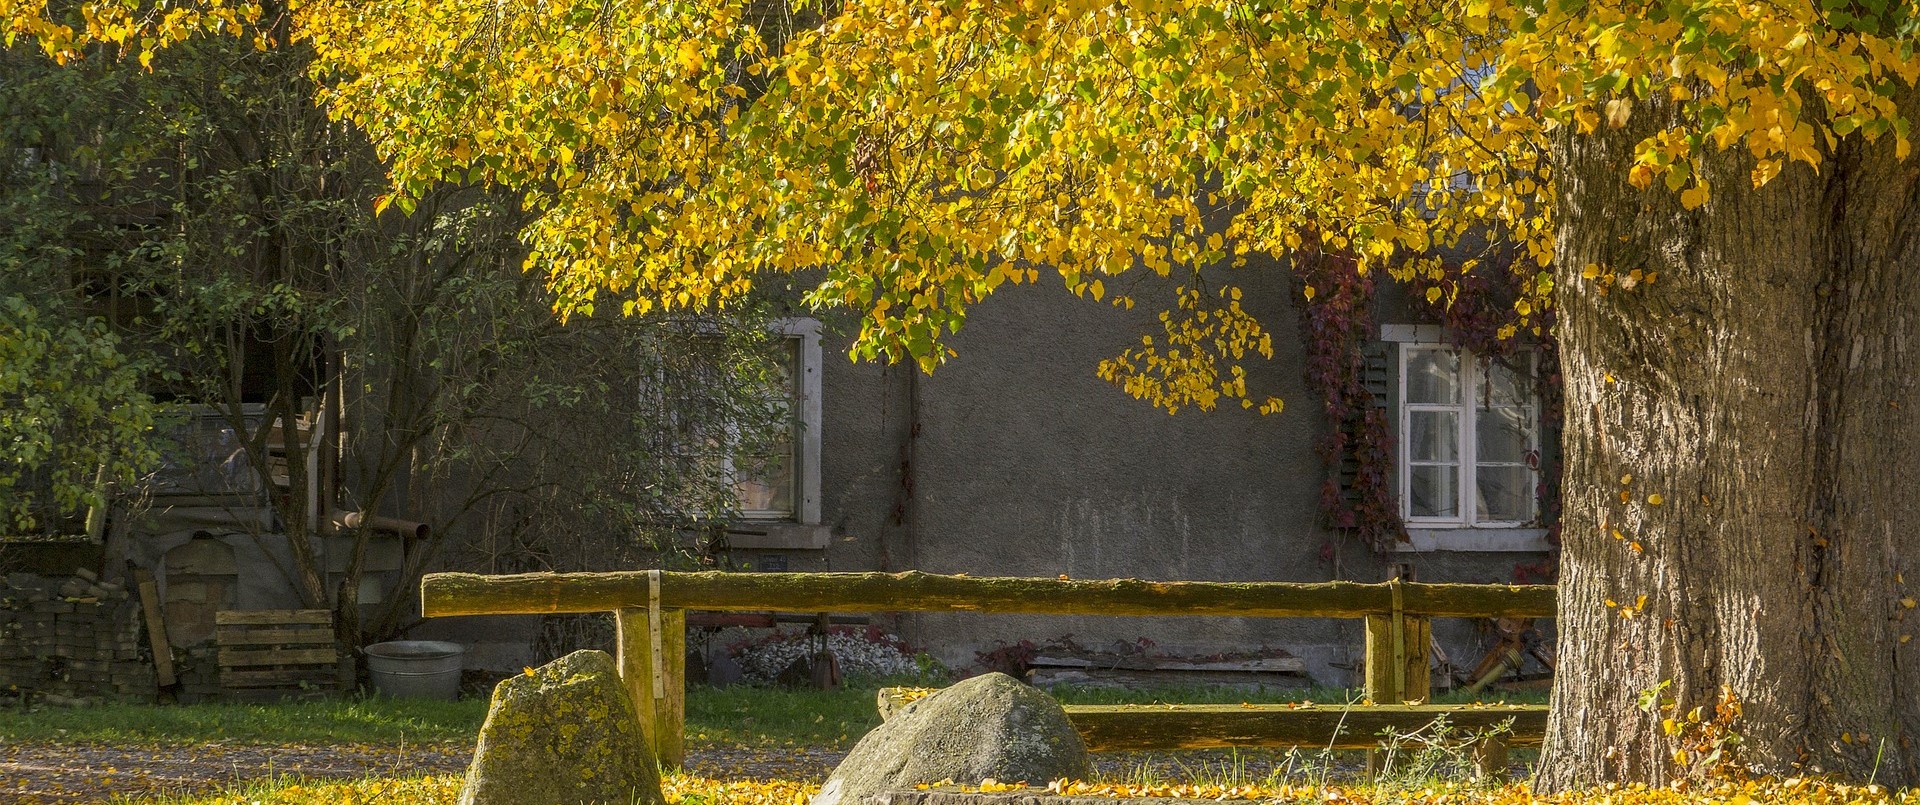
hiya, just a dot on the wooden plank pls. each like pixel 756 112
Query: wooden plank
pixel 1417 653
pixel 1159 680
pixel 664 719
pixel 445 594
pixel 1127 728
pixel 238 657
pixel 317 677
pixel 156 628
pixel 231 636
pixel 1381 683
pixel 272 617
pixel 1210 726
pixel 1269 665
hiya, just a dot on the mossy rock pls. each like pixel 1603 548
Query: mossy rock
pixel 563 734
pixel 990 726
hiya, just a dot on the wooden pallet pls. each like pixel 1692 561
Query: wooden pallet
pixel 276 653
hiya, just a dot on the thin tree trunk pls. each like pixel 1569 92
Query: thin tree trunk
pixel 1761 384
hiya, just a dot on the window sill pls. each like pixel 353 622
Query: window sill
pixel 1475 540
pixel 778 535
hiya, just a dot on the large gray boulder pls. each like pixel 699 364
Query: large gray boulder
pixel 563 734
pixel 989 726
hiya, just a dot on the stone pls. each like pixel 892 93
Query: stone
pixel 563 734
pixel 725 671
pixel 988 727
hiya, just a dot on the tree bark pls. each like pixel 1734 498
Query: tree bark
pixel 1762 385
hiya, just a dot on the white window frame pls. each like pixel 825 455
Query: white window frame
pixel 806 443
pixel 1472 381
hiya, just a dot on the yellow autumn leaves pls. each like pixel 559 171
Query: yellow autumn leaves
pixel 687 790
pixel 910 159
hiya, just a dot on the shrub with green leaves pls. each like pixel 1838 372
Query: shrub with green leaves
pixel 73 416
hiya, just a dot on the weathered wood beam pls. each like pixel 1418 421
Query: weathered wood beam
pixel 445 594
pixel 1129 728
pixel 1397 661
pixel 662 717
pixel 156 627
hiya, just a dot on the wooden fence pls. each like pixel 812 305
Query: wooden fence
pixel 650 607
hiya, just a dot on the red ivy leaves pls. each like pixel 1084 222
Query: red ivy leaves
pixel 1336 323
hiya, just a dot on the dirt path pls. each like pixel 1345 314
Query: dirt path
pixel 42 774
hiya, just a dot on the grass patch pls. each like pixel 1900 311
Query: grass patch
pixel 344 721
pixel 740 716
pixel 439 790
pixel 737 716
pixel 768 717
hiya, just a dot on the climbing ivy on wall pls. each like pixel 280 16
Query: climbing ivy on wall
pixel 1478 302
pixel 1337 321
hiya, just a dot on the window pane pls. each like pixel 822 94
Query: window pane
pixel 1503 434
pixel 1433 376
pixel 764 481
pixel 1505 494
pixel 1435 491
pixel 1506 388
pixel 765 484
pixel 1433 435
pixel 207 457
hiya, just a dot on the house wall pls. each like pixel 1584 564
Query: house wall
pixel 1014 458
pixel 1021 462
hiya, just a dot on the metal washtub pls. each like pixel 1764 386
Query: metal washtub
pixel 416 669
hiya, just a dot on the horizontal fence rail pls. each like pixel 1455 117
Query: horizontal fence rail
pixel 445 594
pixel 650 617
pixel 1125 728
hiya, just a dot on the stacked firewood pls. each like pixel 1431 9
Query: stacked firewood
pixel 71 640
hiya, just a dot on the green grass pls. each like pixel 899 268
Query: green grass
pixel 763 717
pixel 766 717
pixel 739 716
pixel 288 790
pixel 350 721
pixel 754 717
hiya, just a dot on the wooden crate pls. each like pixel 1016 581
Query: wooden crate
pixel 276 653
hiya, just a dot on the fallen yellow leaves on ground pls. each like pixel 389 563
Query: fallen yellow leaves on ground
pixel 680 789
pixel 387 790
pixel 1791 791
pixel 683 789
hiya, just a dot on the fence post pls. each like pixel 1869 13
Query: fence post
pixel 1382 684
pixel 1399 651
pixel 1398 669
pixel 664 716
pixel 1417 673
pixel 1399 654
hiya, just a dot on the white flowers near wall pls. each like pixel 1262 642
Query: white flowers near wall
pixel 860 652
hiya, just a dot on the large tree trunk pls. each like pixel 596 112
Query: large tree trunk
pixel 1764 387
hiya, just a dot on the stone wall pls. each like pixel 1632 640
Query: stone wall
pixel 72 640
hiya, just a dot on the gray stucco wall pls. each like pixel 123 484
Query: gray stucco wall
pixel 1014 458
pixel 1022 462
